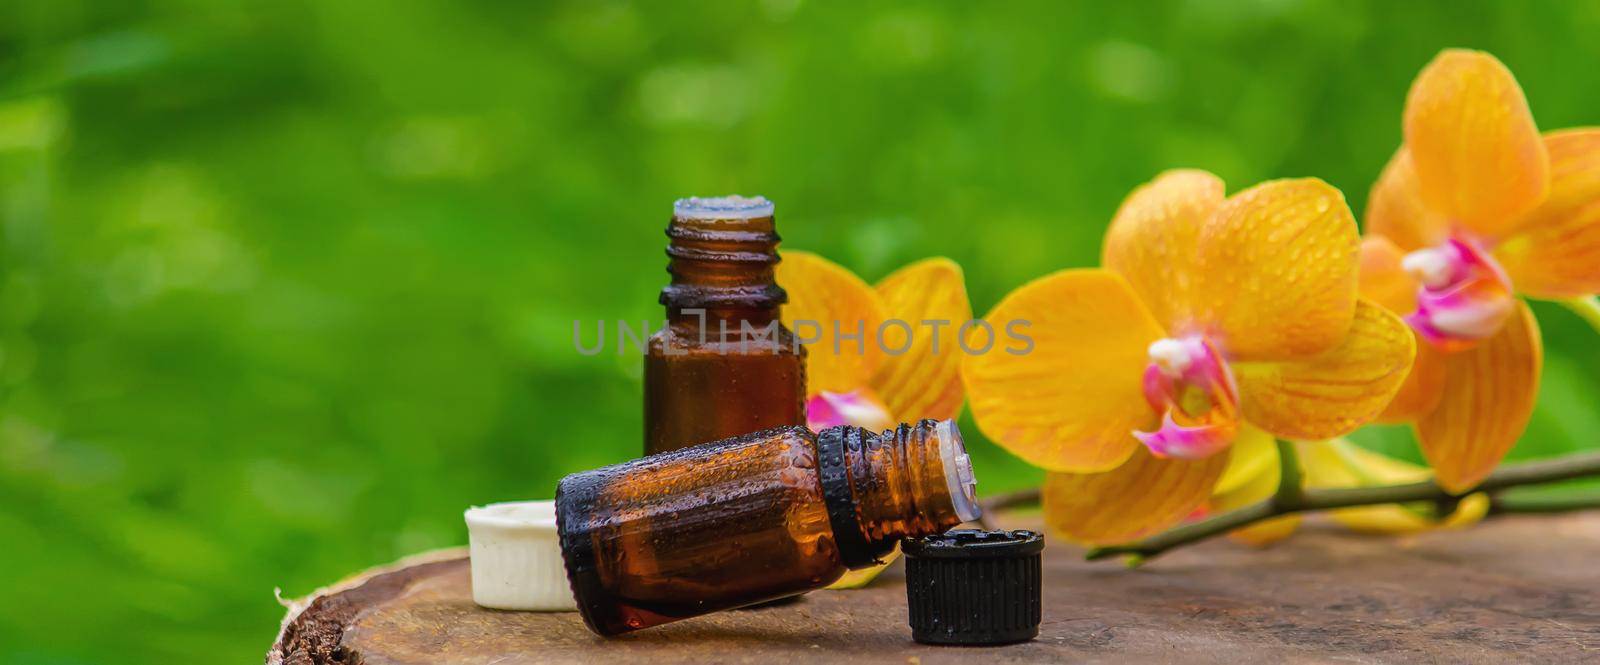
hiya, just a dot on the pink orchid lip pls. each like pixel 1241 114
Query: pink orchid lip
pixel 856 407
pixel 1194 442
pixel 1464 295
pixel 1189 367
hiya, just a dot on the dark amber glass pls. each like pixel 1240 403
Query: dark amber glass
pixel 724 365
pixel 752 518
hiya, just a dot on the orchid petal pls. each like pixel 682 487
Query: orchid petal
pixel 1275 275
pixel 1152 240
pixel 1478 155
pixel 1384 279
pixel 1396 211
pixel 827 302
pixel 1139 498
pixel 1555 251
pixel 1072 402
pixel 1420 393
pixel 857 408
pixel 1487 400
pixel 920 376
pixel 1334 393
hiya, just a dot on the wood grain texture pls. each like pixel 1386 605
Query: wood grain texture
pixel 1519 589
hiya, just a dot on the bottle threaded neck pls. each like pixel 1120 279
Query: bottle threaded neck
pixel 907 482
pixel 722 254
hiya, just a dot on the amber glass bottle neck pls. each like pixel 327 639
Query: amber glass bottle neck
pixel 717 318
pixel 901 482
pixel 723 266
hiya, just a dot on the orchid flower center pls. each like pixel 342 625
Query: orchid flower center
pixel 1188 382
pixel 859 408
pixel 1464 296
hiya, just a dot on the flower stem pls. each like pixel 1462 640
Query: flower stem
pixel 1588 308
pixel 1507 503
pixel 1290 493
pixel 1528 473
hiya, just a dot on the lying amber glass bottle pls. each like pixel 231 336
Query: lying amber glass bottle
pixel 724 365
pixel 753 518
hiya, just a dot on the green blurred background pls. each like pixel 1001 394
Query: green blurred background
pixel 287 285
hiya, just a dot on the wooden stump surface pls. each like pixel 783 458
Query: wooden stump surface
pixel 1523 589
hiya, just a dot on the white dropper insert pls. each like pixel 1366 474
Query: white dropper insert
pixel 723 207
pixel 516 557
pixel 958 476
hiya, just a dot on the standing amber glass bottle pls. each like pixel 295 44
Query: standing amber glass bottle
pixel 752 518
pixel 724 365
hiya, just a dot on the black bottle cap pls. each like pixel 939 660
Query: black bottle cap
pixel 974 587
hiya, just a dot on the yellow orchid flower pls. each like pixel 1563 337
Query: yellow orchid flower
pixel 865 368
pixel 1216 323
pixel 1475 207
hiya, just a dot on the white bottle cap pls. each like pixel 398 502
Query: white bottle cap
pixel 516 557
